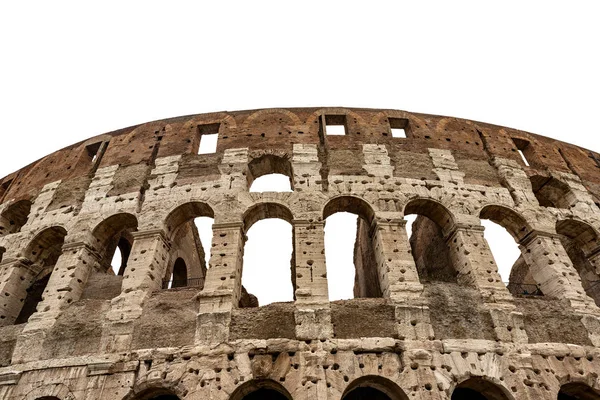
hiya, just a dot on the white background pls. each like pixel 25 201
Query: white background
pixel 72 70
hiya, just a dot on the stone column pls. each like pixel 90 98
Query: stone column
pixel 66 284
pixel 312 314
pixel 475 264
pixel 552 269
pixel 397 271
pixel 145 270
pixel 17 276
pixel 223 285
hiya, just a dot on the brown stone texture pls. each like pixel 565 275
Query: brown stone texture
pixel 430 318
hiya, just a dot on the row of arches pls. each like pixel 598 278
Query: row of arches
pixel 428 244
pixel 369 388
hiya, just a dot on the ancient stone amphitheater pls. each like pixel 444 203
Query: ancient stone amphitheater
pixel 430 319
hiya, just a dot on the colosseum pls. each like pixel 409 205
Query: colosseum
pixel 430 317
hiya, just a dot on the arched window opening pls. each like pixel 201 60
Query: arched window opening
pixel 155 394
pixel 190 230
pixel 349 249
pixel 115 235
pixel 479 389
pixel 577 391
pixel 43 253
pixel 550 192
pixel 503 247
pixel 580 241
pixel 14 217
pixel 494 218
pixel 270 173
pixel 428 240
pixel 373 388
pixel 2 251
pixel 48 398
pixel 179 275
pixel 261 390
pixel 269 279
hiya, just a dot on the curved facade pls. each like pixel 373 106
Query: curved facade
pixel 431 317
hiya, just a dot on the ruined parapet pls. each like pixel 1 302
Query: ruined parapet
pixel 431 317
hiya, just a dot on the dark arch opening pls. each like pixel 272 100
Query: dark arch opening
pixel 189 227
pixel 48 398
pixel 155 394
pixel 373 388
pixel 14 217
pixel 112 235
pixel 479 389
pixel 261 390
pixel 577 391
pixel 428 241
pixel 43 252
pixel 550 192
pixel 349 221
pixel 179 275
pixel 581 240
pixel 270 164
pixel 269 280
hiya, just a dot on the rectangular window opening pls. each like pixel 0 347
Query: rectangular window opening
pixel 522 147
pixel 398 127
pixel 209 135
pixel 93 150
pixel 335 125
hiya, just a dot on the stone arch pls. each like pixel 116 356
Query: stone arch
pixel 2 251
pixel 184 213
pixel 50 392
pixel 112 233
pixel 43 253
pixel 14 217
pixel 509 219
pixel 373 387
pixel 261 389
pixel 366 277
pixel 428 240
pixel 156 392
pixel 266 210
pixel 254 214
pixel 577 391
pixel 551 192
pixel 479 388
pixel 291 117
pixel 582 244
pixel 520 280
pixel 266 164
pixel 179 274
pixel 211 118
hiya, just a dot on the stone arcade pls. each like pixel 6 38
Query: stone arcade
pixel 431 317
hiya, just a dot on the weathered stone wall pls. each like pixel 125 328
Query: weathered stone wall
pixel 431 315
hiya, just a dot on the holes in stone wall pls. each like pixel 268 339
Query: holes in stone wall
pixel 349 250
pixel 269 278
pixel 209 135
pixel 399 127
pixel 335 125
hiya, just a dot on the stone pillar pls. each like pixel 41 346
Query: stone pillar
pixel 397 271
pixel 552 269
pixel 223 285
pixel 145 271
pixel 17 276
pixel 66 284
pixel 312 314
pixel 475 264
